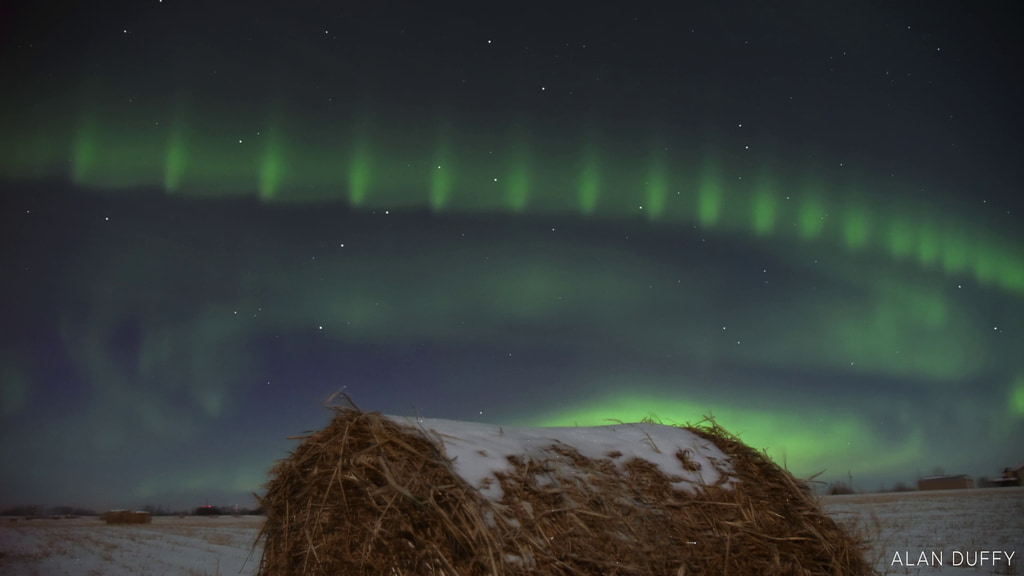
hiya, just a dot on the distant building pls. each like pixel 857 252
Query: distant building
pixel 128 517
pixel 1003 482
pixel 1013 476
pixel 1015 472
pixel 959 481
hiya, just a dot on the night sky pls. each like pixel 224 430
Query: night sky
pixel 802 218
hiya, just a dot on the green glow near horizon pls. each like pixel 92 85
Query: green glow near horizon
pixel 215 153
pixel 805 445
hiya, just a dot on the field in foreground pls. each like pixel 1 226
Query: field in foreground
pixel 191 546
pixel 904 524
pixel 950 522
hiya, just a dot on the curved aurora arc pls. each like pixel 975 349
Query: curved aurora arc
pixel 373 162
pixel 382 162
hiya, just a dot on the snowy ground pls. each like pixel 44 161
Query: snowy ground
pixel 958 524
pixel 904 524
pixel 191 546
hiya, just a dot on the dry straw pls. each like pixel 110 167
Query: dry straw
pixel 370 496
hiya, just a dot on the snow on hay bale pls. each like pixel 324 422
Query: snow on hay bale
pixel 380 495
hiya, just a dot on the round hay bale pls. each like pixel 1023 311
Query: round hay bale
pixel 371 495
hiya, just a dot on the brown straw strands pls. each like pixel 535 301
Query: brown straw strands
pixel 368 495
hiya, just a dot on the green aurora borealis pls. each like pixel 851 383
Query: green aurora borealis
pixel 203 253
pixel 370 163
pixel 904 324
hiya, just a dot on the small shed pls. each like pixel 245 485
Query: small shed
pixel 954 482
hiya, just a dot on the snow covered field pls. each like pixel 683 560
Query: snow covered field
pixel 190 546
pixel 954 526
pixel 903 524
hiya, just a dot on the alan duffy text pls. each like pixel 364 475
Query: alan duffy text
pixel 965 558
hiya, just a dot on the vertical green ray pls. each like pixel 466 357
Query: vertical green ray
pixel 272 167
pixel 440 182
pixel 656 188
pixel 1008 270
pixel 956 251
pixel 900 238
pixel 517 185
pixel 764 207
pixel 589 184
pixel 811 217
pixel 272 163
pixel 86 149
pixel 1017 396
pixel 928 243
pixel 517 169
pixel 855 227
pixel 442 171
pixel 710 196
pixel 811 208
pixel 360 171
pixel 986 265
pixel 176 158
pixel 1012 277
